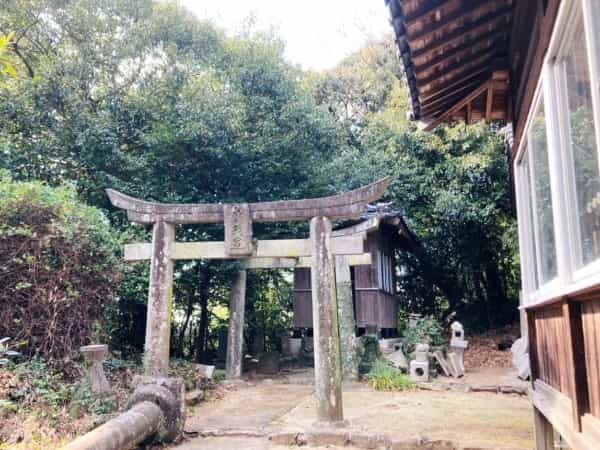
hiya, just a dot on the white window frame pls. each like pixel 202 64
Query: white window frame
pixel 551 86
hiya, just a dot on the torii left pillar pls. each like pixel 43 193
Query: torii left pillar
pixel 160 299
pixel 235 337
pixel 328 367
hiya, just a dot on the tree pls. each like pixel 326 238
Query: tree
pixel 59 267
pixel 143 97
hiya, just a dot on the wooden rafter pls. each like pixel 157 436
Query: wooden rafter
pixel 465 10
pixel 429 8
pixel 463 49
pixel 458 68
pixel 487 87
pixel 456 84
pixel 443 102
pixel 481 24
pixel 458 106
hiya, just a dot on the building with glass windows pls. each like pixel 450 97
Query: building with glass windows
pixel 535 65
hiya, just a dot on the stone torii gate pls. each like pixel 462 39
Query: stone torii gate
pixel 320 249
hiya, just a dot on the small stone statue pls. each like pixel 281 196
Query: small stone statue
pixel 94 357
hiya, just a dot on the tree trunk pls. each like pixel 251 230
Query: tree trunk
pixel 203 278
pixel 184 326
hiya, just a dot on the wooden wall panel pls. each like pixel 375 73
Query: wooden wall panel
pixel 302 299
pixel 365 277
pixel 590 312
pixel 551 349
pixel 367 308
pixel 388 311
pixel 303 310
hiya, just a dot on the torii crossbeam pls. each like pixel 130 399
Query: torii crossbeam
pixel 238 219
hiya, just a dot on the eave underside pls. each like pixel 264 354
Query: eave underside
pixel 455 55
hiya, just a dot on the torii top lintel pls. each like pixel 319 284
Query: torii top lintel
pixel 347 205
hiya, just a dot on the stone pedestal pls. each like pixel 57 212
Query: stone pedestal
pixel 235 336
pixel 94 358
pixel 328 373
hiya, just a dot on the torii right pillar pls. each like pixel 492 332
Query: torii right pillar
pixel 328 373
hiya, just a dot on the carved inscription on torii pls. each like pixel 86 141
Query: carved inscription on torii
pixel 238 229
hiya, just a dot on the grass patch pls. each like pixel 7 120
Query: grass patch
pixel 383 377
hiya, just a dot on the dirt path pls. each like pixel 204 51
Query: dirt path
pixel 476 420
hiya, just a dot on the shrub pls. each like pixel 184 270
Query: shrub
pixel 384 377
pixel 426 330
pixel 59 266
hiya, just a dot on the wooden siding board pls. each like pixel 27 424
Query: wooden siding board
pixel 591 342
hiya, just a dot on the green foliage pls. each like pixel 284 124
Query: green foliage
pixel 268 310
pixel 59 263
pixel 425 330
pixel 41 386
pixel 383 377
pixel 370 354
pixel 38 382
pixel 7 68
pixel 85 401
pixel 181 368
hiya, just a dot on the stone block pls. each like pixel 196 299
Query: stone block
pixel 421 351
pixel 439 357
pixel 459 343
pixel 268 364
pixel 405 444
pixel 194 397
pixel 455 364
pixel 398 360
pixel 169 395
pixel 204 370
pixel 325 437
pixel 520 358
pixel 419 371
pixel 369 440
pixel 284 438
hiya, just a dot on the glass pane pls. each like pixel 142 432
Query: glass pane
pixel 583 145
pixel 527 206
pixel 542 199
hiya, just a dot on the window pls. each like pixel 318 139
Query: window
pixel 385 272
pixel 524 175
pixel 541 196
pixel 558 165
pixel 577 114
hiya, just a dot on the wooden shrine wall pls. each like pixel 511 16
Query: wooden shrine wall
pixel 302 299
pixel 371 304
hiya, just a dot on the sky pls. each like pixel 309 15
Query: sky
pixel 318 33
